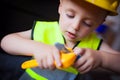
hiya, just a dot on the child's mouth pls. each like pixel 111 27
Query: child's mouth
pixel 71 35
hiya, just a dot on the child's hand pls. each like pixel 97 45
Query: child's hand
pixel 46 57
pixel 90 59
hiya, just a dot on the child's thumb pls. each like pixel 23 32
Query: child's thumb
pixel 79 51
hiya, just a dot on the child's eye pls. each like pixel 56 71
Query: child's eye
pixel 70 16
pixel 87 24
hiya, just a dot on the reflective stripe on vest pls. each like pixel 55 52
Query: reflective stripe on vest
pixel 35 75
pixel 71 70
pixel 49 33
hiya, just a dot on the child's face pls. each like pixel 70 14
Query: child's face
pixel 79 18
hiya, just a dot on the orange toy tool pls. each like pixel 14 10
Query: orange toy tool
pixel 67 58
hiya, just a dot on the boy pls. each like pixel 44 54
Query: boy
pixel 78 20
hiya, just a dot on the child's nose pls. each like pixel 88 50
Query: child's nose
pixel 76 25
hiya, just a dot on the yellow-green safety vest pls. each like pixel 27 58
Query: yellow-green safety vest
pixel 49 33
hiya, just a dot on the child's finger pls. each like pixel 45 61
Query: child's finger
pixel 56 55
pixel 86 67
pixel 41 64
pixel 80 62
pixel 50 63
pixel 45 63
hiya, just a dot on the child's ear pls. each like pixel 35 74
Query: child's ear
pixel 59 7
pixel 60 1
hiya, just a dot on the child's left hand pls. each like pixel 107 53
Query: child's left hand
pixel 90 59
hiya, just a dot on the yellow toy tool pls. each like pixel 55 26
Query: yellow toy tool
pixel 67 58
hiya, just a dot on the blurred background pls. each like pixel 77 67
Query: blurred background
pixel 19 15
pixel 112 35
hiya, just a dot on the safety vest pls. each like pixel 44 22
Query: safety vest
pixel 49 33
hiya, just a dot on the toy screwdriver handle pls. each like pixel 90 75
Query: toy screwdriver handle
pixel 67 60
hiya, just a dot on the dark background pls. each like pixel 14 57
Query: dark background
pixel 19 15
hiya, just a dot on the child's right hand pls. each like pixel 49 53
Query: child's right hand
pixel 46 56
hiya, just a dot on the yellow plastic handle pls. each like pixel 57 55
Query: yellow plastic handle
pixel 67 60
pixel 29 64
